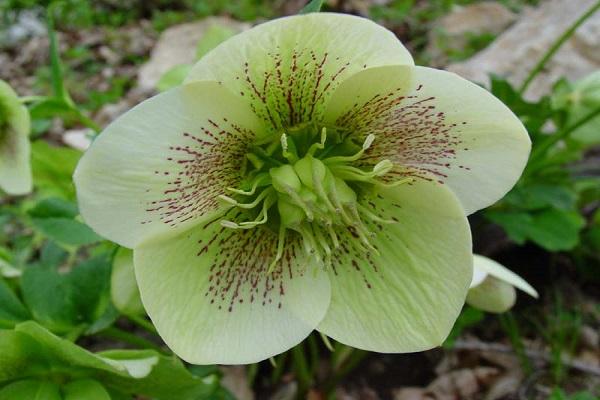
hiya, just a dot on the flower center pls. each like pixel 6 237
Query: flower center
pixel 304 182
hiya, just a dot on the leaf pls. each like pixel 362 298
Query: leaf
pixel 64 301
pixel 32 349
pixel 66 231
pixel 552 229
pixel 87 389
pixel 312 6
pixel 536 196
pixel 53 168
pixel 214 36
pixel 51 107
pixel 12 311
pixel 173 77
pixel 31 390
pixel 124 290
pixel 54 207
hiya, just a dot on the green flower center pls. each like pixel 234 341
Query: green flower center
pixel 304 182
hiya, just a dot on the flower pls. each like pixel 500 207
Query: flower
pixel 305 176
pixel 15 170
pixel 493 286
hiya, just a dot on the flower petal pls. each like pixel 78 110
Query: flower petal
pixel 435 126
pixel 493 295
pixel 497 270
pixel 288 68
pixel 408 297
pixel 161 166
pixel 15 167
pixel 209 295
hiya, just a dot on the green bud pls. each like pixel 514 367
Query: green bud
pixel 284 178
pixel 291 215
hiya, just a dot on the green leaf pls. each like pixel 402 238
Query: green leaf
pixel 53 169
pixel 214 36
pixel 550 228
pixel 31 390
pixel 173 77
pixel 12 310
pixel 54 207
pixel 124 290
pixel 312 6
pixel 64 301
pixel 66 231
pixel 537 196
pixel 52 107
pixel 31 349
pixel 87 389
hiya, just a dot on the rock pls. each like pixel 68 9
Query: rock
pixel 235 380
pixel 177 45
pixel 478 18
pixel 453 32
pixel 589 337
pixel 514 53
pixel 110 112
pixel 411 393
pixel 27 25
pixel 79 139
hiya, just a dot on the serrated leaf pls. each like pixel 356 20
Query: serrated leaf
pixel 550 228
pixel 66 231
pixel 64 301
pixel 53 169
pixel 12 311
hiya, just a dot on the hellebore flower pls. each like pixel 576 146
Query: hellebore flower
pixel 493 286
pixel 305 176
pixel 15 170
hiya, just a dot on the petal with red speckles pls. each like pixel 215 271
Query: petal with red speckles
pixel 15 168
pixel 288 68
pixel 160 167
pixel 211 299
pixel 436 126
pixel 407 297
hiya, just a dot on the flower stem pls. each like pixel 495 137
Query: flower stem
pixel 143 323
pixel 300 366
pixel 554 48
pixel 553 139
pixel 128 337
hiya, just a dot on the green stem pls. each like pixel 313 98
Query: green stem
pixel 541 150
pixel 85 120
pixel 552 50
pixel 127 337
pixel 350 362
pixel 142 323
pixel 301 369
pixel 511 328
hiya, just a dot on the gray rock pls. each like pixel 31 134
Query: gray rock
pixel 517 50
pixel 477 18
pixel 177 45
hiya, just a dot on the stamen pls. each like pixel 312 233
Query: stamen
pixel 262 178
pixel 256 201
pixel 280 243
pixel 366 144
pixel 291 157
pixel 318 146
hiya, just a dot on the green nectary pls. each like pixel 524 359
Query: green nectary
pixel 303 182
